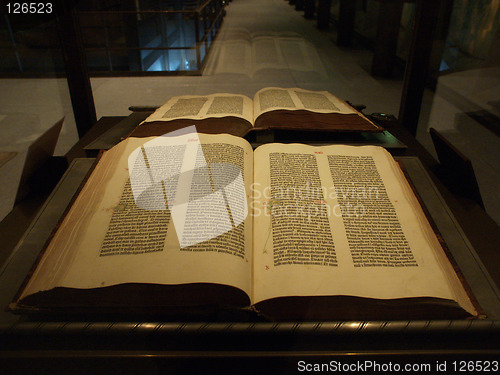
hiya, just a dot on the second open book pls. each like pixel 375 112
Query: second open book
pixel 271 108
pixel 295 231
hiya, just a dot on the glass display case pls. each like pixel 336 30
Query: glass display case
pixel 438 103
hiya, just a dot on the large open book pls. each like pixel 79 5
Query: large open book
pixel 292 231
pixel 258 55
pixel 271 108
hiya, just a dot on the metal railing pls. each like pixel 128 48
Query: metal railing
pixel 149 41
pixel 170 39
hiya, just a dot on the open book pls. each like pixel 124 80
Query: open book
pixel 271 108
pixel 258 56
pixel 294 231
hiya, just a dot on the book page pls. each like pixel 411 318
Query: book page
pixel 117 233
pixel 282 52
pixel 266 55
pixel 297 53
pixel 235 56
pixel 273 98
pixel 197 107
pixel 341 220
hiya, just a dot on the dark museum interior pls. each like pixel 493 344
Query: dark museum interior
pixel 79 76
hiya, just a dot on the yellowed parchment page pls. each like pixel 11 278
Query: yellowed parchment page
pixel 84 255
pixel 273 98
pixel 341 220
pixel 197 107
